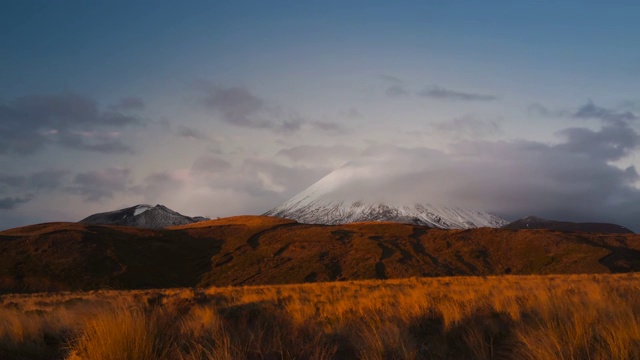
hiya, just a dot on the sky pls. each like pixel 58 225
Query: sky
pixel 221 108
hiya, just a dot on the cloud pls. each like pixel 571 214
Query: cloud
pixel 269 179
pixel 94 141
pixel 157 185
pixel 592 111
pixel 289 126
pixel 12 180
pixel 191 133
pixel 565 181
pixel 128 104
pixel 630 105
pixel 610 143
pixel 328 156
pixel 99 184
pixel 210 164
pixel 540 110
pixel 213 186
pixel 390 79
pixel 238 106
pixel 396 91
pixel 29 123
pixel 330 127
pixel 9 203
pixel 616 117
pixel 257 177
pixel 48 179
pixel 468 126
pixel 353 113
pixel 395 86
pixel 24 188
pixel 437 92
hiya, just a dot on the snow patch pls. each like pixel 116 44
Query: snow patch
pixel 140 209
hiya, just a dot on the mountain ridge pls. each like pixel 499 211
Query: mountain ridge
pixel 534 222
pixel 260 250
pixel 143 216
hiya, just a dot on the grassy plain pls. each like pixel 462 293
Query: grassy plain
pixel 591 316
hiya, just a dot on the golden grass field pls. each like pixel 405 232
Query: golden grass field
pixel 502 317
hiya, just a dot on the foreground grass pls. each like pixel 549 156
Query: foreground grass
pixel 523 317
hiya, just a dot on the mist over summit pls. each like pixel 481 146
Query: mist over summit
pixel 370 189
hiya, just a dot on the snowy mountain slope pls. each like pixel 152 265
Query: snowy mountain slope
pixel 327 202
pixel 145 216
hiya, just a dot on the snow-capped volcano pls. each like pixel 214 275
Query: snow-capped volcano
pixel 346 195
pixel 145 216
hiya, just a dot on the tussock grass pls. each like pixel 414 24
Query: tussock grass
pixel 507 317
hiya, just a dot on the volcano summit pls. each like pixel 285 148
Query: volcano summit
pixel 329 201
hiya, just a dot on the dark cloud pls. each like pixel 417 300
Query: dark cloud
pixel 99 184
pixel 29 123
pixel 9 203
pixel 19 135
pixel 92 141
pixel 614 141
pixel 289 126
pixel 330 127
pixel 24 188
pixel 610 143
pixel 236 105
pixel 12 180
pixel 543 111
pixel 468 126
pixel 437 92
pixel 49 179
pixel 592 111
pixel 613 116
pixel 191 133
pixel 129 104
pixel 240 107
pixel 64 111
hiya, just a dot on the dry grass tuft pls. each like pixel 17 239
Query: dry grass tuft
pixel 123 331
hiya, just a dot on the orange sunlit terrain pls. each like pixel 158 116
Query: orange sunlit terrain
pixel 259 250
pixel 523 317
pixel 234 289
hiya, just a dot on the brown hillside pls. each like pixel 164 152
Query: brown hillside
pixel 265 250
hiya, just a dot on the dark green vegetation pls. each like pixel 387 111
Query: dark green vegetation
pixel 263 250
